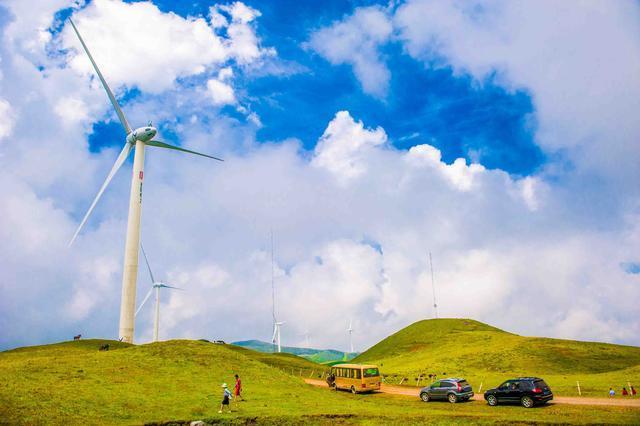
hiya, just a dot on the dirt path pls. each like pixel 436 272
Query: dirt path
pixel 414 392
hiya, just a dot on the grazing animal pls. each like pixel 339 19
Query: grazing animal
pixel 77 337
pixel 104 347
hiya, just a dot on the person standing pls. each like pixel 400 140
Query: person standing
pixel 612 393
pixel 624 392
pixel 238 389
pixel 633 391
pixel 226 395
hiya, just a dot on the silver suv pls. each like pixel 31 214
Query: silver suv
pixel 452 390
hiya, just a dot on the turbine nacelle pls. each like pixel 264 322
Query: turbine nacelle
pixel 143 134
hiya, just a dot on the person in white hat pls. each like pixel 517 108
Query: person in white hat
pixel 226 395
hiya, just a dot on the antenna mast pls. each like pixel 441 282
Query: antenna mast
pixel 433 288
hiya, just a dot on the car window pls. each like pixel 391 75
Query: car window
pixel 435 385
pixel 505 384
pixel 464 383
pixel 526 385
pixel 447 385
pixel 514 386
pixel 540 384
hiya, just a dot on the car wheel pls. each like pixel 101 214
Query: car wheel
pixel 527 402
pixel 353 390
pixel 492 400
pixel 424 396
pixel 452 398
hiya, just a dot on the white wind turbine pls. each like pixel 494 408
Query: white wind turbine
pixel 306 337
pixel 138 139
pixel 276 325
pixel 350 330
pixel 157 285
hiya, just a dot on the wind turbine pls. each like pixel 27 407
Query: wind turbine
pixel 350 330
pixel 306 337
pixel 276 325
pixel 276 334
pixel 138 139
pixel 157 285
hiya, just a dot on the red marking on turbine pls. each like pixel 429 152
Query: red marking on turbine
pixel 141 174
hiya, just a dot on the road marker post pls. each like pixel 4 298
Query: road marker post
pixel 579 391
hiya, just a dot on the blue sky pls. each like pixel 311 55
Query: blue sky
pixel 501 137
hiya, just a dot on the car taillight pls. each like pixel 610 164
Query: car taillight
pixel 364 385
pixel 459 387
pixel 537 390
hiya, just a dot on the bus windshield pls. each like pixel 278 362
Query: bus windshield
pixel 371 372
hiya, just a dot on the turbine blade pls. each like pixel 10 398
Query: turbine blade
pixel 168 286
pixel 143 301
pixel 112 98
pixel 119 161
pixel 153 281
pixel 177 148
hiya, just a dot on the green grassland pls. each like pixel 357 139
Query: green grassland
pixel 487 355
pixel 177 381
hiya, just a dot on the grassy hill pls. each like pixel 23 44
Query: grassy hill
pixel 485 354
pixel 177 381
pixel 319 356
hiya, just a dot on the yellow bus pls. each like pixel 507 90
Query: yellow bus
pixel 355 377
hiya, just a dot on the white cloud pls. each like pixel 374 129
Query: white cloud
pixel 344 145
pixel 221 93
pixel 356 41
pixel 72 109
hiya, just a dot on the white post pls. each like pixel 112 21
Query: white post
pixel 480 388
pixel 131 248
pixel 156 321
pixel 629 388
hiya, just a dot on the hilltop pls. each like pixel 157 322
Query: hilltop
pixel 485 354
pixel 316 355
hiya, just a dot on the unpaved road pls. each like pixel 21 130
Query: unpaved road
pixel 415 392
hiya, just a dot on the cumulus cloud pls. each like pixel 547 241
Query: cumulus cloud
pixel 356 40
pixel 344 144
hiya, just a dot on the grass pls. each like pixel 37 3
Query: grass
pixel 487 355
pixel 177 381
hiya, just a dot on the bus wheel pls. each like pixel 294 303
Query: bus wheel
pixel 353 390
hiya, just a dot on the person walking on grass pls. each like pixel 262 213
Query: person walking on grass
pixel 238 389
pixel 226 395
pixel 612 393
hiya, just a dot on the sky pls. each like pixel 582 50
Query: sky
pixel 500 136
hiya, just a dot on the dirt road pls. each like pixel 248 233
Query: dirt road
pixel 414 392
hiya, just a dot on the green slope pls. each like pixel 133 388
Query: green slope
pixel 464 347
pixel 170 383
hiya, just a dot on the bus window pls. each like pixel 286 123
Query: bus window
pixel 357 374
pixel 371 372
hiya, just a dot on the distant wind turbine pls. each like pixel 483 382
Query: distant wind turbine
pixel 157 285
pixel 138 139
pixel 350 330
pixel 306 337
pixel 276 324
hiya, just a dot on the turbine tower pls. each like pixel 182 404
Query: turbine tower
pixel 157 285
pixel 276 334
pixel 350 330
pixel 138 139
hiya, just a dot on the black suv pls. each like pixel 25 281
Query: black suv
pixel 527 391
pixel 453 390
